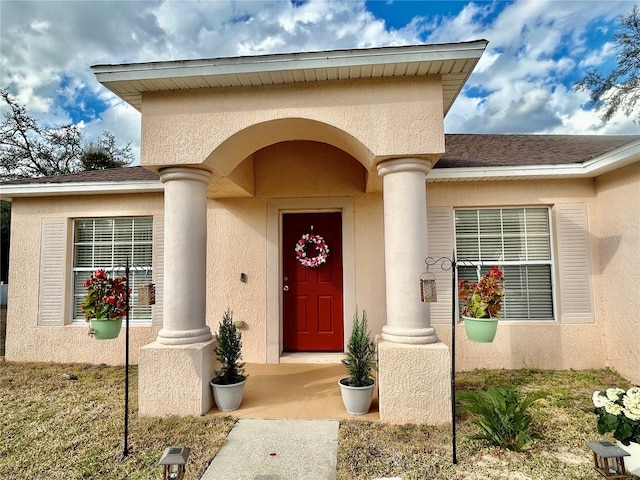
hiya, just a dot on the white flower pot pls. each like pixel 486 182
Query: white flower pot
pixel 632 463
pixel 228 397
pixel 357 400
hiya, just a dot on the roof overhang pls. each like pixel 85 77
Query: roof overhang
pixel 613 160
pixel 454 62
pixel 79 188
pixel 622 156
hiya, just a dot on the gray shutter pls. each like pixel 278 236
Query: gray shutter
pixel 440 244
pixel 53 278
pixel 158 268
pixel 574 263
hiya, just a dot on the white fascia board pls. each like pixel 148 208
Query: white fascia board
pixel 521 172
pixel 618 158
pixel 7 192
pixel 288 62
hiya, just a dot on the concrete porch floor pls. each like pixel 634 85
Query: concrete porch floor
pixel 295 391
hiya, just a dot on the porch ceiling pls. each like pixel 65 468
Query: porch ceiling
pixel 454 62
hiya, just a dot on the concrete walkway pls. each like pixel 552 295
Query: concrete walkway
pixel 277 450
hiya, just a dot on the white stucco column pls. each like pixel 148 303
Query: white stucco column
pixel 185 250
pixel 405 249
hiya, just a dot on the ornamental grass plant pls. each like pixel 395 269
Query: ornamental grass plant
pixel 502 417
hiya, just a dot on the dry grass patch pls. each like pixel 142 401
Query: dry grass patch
pixel 564 418
pixel 54 428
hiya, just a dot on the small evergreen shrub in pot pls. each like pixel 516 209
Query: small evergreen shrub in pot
pixel 228 383
pixel 357 388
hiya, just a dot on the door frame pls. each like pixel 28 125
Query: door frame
pixel 275 209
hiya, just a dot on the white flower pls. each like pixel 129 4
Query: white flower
pixel 631 415
pixel 613 408
pixel 631 404
pixel 634 392
pixel 613 394
pixel 599 399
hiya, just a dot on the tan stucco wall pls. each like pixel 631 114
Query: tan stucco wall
pixel 366 118
pixel 617 237
pixel 527 344
pixel 287 170
pixel 238 239
pixel 26 341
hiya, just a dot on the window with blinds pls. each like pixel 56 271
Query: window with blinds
pixel 107 243
pixel 518 241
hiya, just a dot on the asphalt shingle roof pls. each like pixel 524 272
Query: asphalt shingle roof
pixel 470 150
pixel 462 150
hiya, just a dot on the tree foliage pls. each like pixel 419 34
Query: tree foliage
pixel 620 89
pixel 30 150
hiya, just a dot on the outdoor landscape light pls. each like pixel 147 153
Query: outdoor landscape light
pixel 174 459
pixel 608 459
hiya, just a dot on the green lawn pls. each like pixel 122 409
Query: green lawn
pixel 52 427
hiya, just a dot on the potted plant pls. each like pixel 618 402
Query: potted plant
pixel 482 305
pixel 105 303
pixel 357 388
pixel 618 412
pixel 228 383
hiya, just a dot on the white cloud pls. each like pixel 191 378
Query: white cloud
pixel 523 82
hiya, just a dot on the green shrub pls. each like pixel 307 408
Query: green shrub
pixel 361 353
pixel 503 419
pixel 229 352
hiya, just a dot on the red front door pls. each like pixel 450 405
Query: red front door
pixel 312 296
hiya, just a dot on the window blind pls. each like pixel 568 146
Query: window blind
pixel 108 243
pixel 518 241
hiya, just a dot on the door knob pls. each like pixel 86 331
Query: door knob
pixel 286 288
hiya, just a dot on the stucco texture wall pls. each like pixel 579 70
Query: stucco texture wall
pixel 237 239
pixel 26 341
pixel 366 118
pixel 617 237
pixel 548 344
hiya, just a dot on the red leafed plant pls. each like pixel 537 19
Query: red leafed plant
pixel 106 297
pixel 483 298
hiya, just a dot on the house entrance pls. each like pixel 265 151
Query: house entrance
pixel 312 294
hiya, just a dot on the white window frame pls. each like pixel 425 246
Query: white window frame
pixel 486 264
pixel 137 273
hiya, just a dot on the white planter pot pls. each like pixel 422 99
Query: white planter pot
pixel 357 400
pixel 632 463
pixel 228 397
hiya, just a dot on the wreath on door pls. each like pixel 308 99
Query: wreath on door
pixel 321 248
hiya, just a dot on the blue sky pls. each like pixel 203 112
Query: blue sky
pixel 523 84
